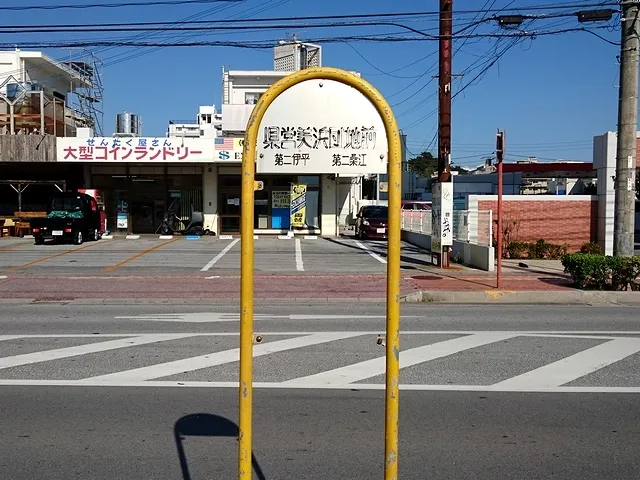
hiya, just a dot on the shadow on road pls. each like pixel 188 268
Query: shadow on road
pixel 380 249
pixel 206 425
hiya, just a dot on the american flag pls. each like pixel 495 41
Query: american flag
pixel 224 143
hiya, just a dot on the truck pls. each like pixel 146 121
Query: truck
pixel 73 217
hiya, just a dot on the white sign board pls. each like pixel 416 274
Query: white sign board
pixel 442 216
pixel 142 150
pixel 322 126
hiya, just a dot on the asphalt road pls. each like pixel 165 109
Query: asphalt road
pixel 206 256
pixel 110 392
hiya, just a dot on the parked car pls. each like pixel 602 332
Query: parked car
pixel 372 222
pixel 415 205
pixel 73 217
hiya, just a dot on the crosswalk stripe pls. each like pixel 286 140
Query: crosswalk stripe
pixel 575 366
pixel 58 353
pixel 220 358
pixel 9 337
pixel 371 368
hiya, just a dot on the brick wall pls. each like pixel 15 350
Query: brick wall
pixel 550 218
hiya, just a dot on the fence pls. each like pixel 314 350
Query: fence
pixel 469 226
pixel 418 221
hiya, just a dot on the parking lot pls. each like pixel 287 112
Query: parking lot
pixel 207 256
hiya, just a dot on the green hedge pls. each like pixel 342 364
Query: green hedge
pixel 597 272
pixel 535 250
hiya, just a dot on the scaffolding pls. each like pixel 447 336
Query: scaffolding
pixel 86 102
pixel 31 108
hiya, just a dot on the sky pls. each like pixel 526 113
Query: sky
pixel 551 93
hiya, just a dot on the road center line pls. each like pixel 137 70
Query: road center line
pixel 371 368
pixel 362 246
pixel 215 259
pixel 299 263
pixel 575 366
pixel 138 255
pixel 219 358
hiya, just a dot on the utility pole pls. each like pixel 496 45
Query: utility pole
pixel 444 90
pixel 444 103
pixel 627 131
pixel 500 145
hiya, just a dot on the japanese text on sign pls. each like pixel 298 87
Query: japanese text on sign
pixel 298 209
pixel 118 149
pixel 358 138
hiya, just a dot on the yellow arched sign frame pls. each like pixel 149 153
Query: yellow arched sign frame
pixel 393 261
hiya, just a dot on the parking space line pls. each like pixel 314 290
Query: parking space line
pixel 217 258
pixel 362 246
pixel 299 263
pixel 138 255
pixel 50 257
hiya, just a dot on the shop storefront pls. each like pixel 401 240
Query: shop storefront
pixel 272 204
pixel 141 179
pixel 137 198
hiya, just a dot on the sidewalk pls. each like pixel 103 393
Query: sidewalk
pixel 538 275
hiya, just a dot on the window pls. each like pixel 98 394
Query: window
pixel 251 98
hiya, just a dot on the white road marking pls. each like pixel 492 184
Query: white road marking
pixel 191 317
pixel 58 353
pixel 215 259
pixel 276 385
pixel 371 368
pixel 362 246
pixel 218 358
pixel 611 335
pixel 299 264
pixel 3 277
pixel 9 337
pixel 575 366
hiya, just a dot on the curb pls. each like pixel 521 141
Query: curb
pixel 546 297
pixel 184 301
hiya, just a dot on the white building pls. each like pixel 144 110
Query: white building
pixel 331 201
pixel 197 166
pixel 207 124
pixel 39 94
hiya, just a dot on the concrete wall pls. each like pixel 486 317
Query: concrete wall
pixel 604 161
pixel 476 256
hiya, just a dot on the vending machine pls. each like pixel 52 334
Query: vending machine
pixel 99 196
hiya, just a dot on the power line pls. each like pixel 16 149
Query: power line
pixel 100 26
pixel 18 8
pixel 269 43
pixel 200 2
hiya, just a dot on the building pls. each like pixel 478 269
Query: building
pixel 208 124
pixel 42 99
pixel 197 166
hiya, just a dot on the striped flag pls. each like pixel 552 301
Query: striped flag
pixel 224 143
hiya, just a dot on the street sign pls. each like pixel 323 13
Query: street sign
pixel 321 121
pixel 322 126
pixel 442 216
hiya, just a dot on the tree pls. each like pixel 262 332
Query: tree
pixel 424 164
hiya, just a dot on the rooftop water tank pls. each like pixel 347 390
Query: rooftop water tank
pixel 128 123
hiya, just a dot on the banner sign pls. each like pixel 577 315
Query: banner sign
pixel 298 205
pixel 442 216
pixel 149 149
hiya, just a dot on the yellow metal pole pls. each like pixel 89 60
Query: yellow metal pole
pixel 246 302
pixel 393 260
pixel 394 170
